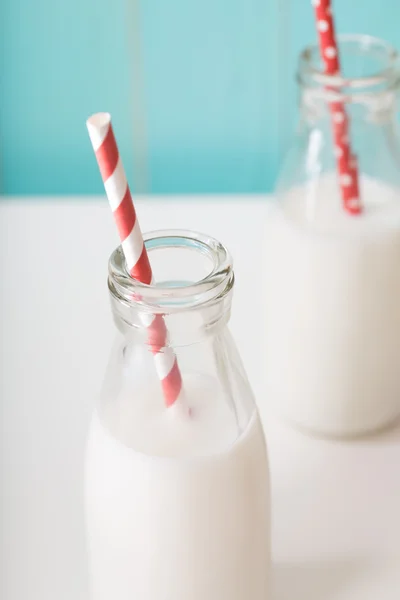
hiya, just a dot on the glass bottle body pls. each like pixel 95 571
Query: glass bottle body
pixel 177 498
pixel 333 329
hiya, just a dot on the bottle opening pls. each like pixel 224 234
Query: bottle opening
pixel 189 269
pixel 368 64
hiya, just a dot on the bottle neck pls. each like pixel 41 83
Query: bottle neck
pixel 367 85
pixel 372 108
pixel 185 327
pixel 191 296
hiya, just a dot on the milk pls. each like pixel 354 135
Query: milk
pixel 177 502
pixel 333 308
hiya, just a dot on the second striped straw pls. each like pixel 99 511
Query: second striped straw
pixel 137 260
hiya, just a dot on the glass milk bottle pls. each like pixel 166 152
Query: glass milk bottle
pixel 177 498
pixel 333 278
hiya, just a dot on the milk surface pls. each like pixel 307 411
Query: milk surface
pixel 332 308
pixel 177 505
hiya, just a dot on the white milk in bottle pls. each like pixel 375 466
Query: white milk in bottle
pixel 177 499
pixel 332 308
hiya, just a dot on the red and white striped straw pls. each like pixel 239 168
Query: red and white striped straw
pixel 346 162
pixel 137 260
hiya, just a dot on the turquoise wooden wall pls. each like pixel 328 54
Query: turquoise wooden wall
pixel 201 92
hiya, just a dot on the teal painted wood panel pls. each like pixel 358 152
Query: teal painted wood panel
pixel 61 61
pixel 212 94
pixel 202 93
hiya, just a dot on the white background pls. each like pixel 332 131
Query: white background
pixel 336 506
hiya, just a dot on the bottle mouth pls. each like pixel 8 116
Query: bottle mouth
pixel 189 269
pixel 368 65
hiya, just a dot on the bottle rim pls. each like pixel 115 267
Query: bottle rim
pixel 172 296
pixel 310 73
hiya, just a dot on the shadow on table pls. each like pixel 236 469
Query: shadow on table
pixel 388 434
pixel 315 580
pixel 385 435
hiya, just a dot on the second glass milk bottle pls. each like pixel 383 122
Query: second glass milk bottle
pixel 177 497
pixel 333 278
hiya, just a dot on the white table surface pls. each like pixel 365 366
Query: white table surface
pixel 336 506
